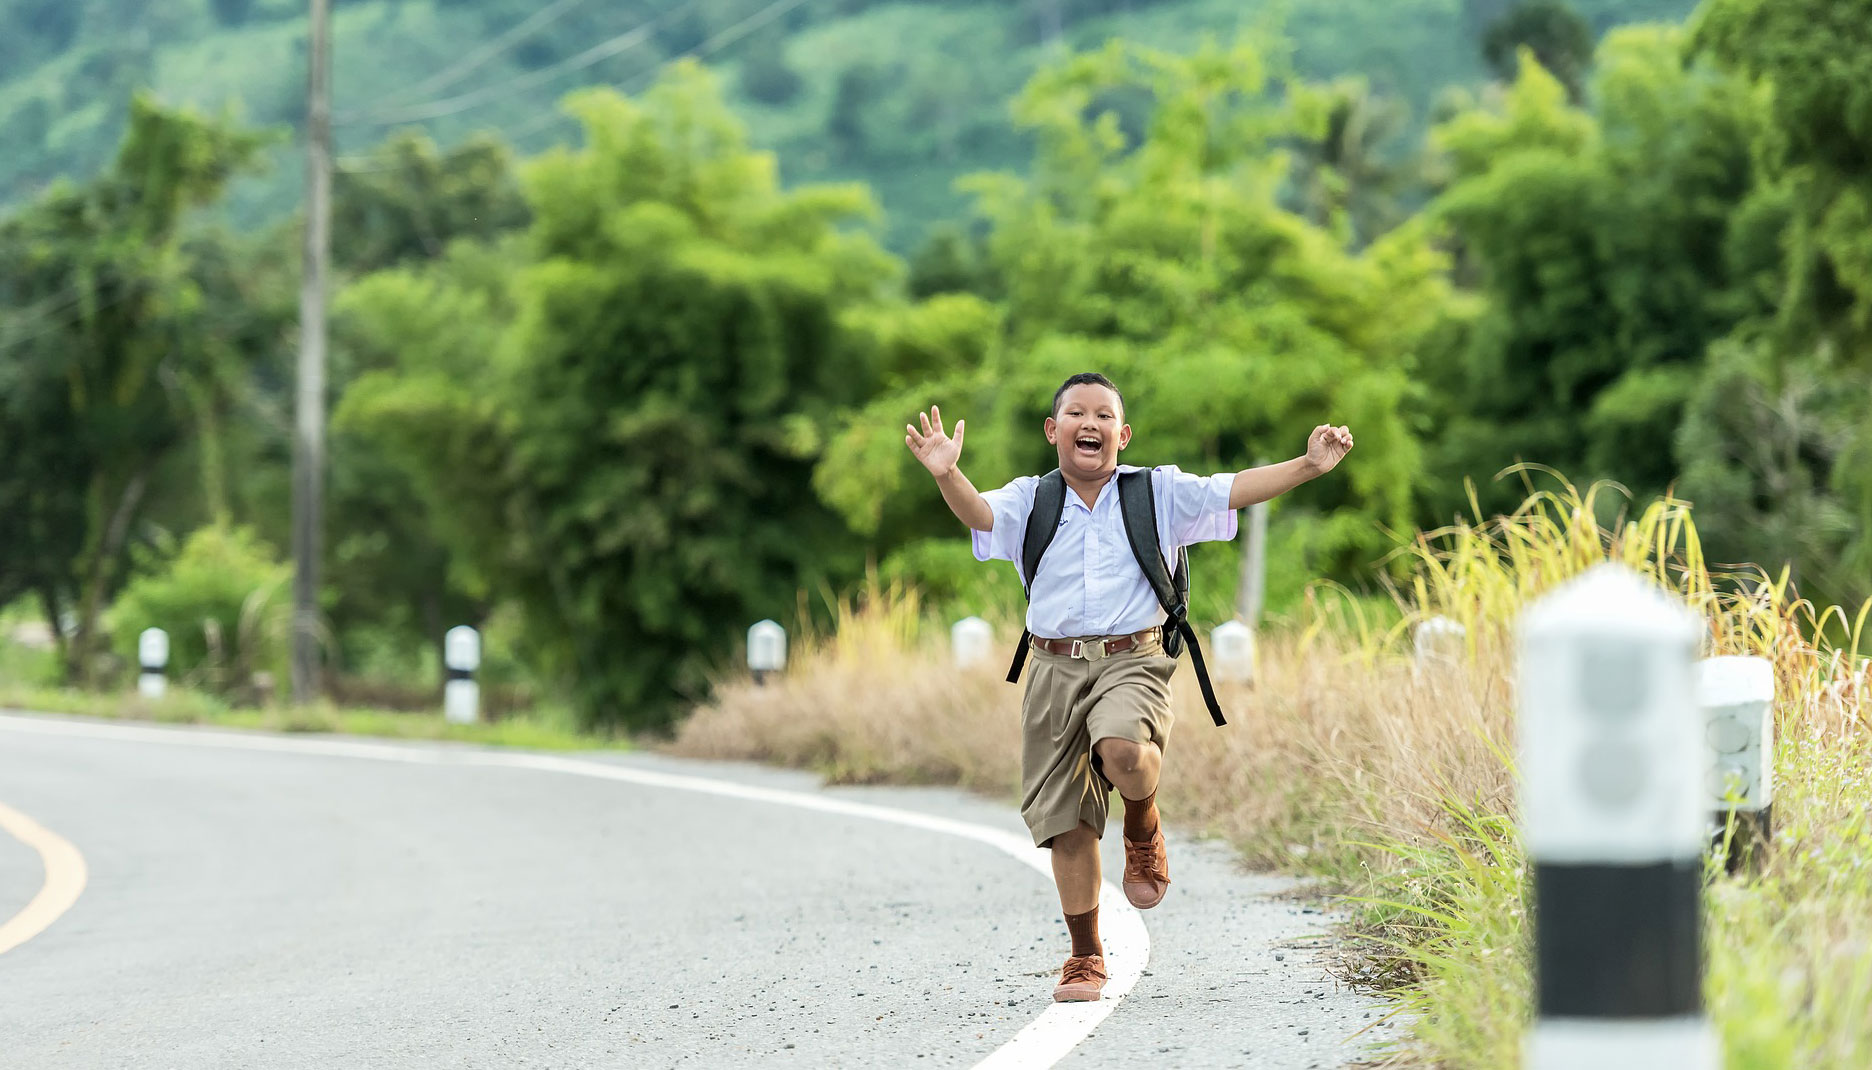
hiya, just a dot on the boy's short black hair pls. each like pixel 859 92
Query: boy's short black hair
pixel 1085 379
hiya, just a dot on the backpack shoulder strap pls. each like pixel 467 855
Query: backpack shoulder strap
pixel 1042 524
pixel 1137 501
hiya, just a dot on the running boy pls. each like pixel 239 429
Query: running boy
pixel 1090 725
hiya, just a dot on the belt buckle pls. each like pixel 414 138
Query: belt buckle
pixel 1085 650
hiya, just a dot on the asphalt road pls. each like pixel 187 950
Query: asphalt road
pixel 253 908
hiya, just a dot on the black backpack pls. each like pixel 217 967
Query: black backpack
pixel 1137 503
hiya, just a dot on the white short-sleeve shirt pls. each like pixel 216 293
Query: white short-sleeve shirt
pixel 1088 582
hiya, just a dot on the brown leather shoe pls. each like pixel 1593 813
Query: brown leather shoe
pixel 1082 979
pixel 1147 871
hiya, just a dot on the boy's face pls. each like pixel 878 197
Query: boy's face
pixel 1088 431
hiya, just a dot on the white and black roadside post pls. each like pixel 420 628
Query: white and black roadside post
pixel 1736 695
pixel 971 641
pixel 766 650
pixel 1613 816
pixel 153 658
pixel 461 695
pixel 1232 650
pixel 1438 644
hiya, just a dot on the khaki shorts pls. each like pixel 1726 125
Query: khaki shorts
pixel 1070 705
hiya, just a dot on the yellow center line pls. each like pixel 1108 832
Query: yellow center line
pixel 64 879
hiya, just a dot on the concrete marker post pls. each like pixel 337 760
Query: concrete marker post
pixel 1736 696
pixel 1612 812
pixel 971 642
pixel 153 658
pixel 1232 652
pixel 461 695
pixel 766 650
pixel 1438 644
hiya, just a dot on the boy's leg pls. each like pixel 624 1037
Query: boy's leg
pixel 1064 804
pixel 1128 723
pixel 1134 768
pixel 1076 869
pixel 1076 873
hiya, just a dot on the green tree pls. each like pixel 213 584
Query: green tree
pixel 407 200
pixel 633 464
pixel 1603 245
pixel 1811 358
pixel 114 343
pixel 1555 33
pixel 419 452
pixel 1350 174
pixel 765 74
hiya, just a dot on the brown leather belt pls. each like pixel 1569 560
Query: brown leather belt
pixel 1095 649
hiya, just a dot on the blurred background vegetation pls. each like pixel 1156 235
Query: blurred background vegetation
pixel 634 298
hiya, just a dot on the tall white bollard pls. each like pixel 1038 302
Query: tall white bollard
pixel 461 695
pixel 1612 811
pixel 1736 695
pixel 1438 642
pixel 1232 652
pixel 971 641
pixel 153 658
pixel 766 650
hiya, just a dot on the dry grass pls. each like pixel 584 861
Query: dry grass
pixel 878 701
pixel 872 701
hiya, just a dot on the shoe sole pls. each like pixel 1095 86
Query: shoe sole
pixel 1077 993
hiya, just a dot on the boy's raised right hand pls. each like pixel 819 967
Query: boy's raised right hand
pixel 933 446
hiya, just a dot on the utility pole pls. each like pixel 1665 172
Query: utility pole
pixel 1252 592
pixel 309 422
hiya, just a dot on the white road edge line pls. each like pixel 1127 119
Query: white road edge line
pixel 1041 1043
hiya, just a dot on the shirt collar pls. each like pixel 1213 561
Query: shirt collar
pixel 1110 487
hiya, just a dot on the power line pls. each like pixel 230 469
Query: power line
pixel 547 117
pixel 472 61
pixel 603 50
pixel 707 48
pixel 7 345
pixel 43 309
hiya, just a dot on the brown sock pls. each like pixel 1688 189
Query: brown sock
pixel 1140 820
pixel 1084 930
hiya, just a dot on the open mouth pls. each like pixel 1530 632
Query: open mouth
pixel 1089 445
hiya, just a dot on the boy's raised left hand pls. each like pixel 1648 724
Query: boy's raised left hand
pixel 1327 446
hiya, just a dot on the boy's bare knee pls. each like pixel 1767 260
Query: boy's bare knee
pixel 1121 756
pixel 1079 839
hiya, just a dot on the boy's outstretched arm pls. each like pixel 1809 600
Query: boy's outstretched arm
pixel 939 453
pixel 1325 448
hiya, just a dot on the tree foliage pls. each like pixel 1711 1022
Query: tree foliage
pixel 1806 365
pixel 1167 261
pixel 101 366
pixel 638 475
pixel 1557 36
pixel 1603 242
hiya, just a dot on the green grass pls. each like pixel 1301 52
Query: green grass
pixel 547 729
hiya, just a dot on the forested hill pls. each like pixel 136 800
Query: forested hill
pixel 905 95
